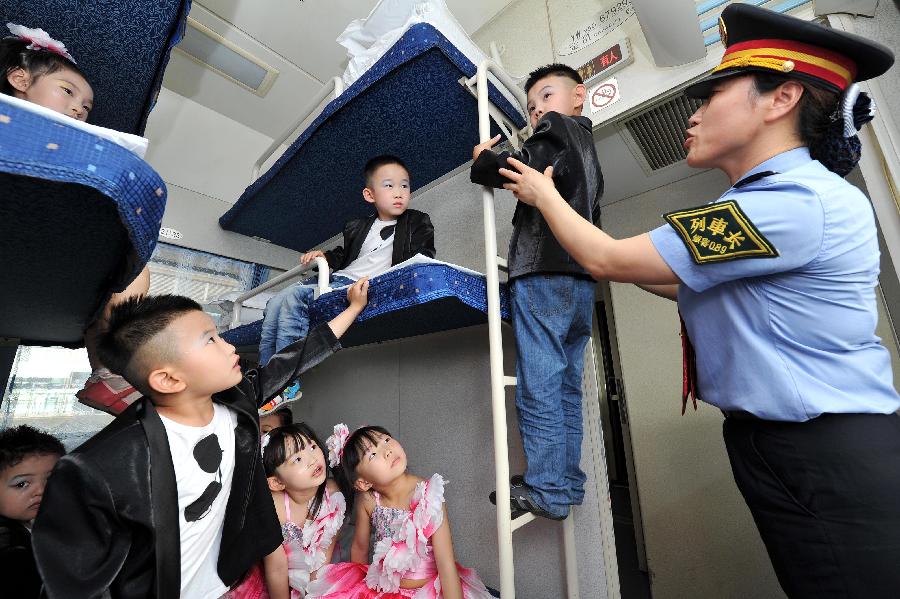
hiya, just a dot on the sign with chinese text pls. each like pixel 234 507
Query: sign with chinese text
pixel 607 62
pixel 605 22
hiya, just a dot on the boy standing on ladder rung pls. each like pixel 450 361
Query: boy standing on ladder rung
pixel 552 296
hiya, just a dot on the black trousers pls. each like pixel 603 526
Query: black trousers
pixel 825 496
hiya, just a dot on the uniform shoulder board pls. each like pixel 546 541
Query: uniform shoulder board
pixel 719 232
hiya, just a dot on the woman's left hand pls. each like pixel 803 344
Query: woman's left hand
pixel 528 185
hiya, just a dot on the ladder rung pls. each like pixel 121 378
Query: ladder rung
pixel 522 520
pixel 509 381
pixel 502 264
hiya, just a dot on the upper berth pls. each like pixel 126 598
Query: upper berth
pixel 81 212
pixel 409 103
pixel 123 48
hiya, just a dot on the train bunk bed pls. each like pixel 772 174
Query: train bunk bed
pixel 81 210
pixel 403 302
pixel 422 370
pixel 410 98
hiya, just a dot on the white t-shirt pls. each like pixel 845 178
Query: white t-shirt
pixel 374 255
pixel 204 464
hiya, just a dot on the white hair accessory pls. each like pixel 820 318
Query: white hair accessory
pixel 263 442
pixel 336 443
pixel 39 40
pixel 857 109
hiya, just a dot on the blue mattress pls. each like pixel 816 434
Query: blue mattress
pixel 79 218
pixel 409 103
pixel 122 46
pixel 414 300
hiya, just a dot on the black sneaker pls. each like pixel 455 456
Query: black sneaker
pixel 515 512
pixel 520 501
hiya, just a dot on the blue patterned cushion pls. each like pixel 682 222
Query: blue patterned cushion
pixel 246 335
pixel 80 217
pixel 415 300
pixel 409 103
pixel 122 46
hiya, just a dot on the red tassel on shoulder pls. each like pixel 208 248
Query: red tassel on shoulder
pixel 688 370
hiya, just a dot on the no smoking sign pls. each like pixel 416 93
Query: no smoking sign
pixel 604 94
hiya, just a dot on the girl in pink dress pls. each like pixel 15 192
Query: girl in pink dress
pixel 413 555
pixel 311 510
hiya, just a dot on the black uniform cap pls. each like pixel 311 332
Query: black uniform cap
pixel 757 39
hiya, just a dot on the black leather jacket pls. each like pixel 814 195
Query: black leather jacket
pixel 18 572
pixel 414 235
pixel 566 144
pixel 109 516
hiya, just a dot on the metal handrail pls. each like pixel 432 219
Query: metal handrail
pixel 336 85
pixel 499 381
pixel 322 285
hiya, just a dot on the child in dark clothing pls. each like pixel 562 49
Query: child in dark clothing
pixel 274 419
pixel 552 296
pixel 170 499
pixel 26 458
pixel 371 245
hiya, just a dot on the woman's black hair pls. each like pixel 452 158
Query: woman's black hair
pixel 286 440
pixel 820 127
pixel 14 54
pixel 357 445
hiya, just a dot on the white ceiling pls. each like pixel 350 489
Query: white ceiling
pixel 298 39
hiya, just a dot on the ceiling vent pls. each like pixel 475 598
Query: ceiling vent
pixel 658 133
pixel 208 48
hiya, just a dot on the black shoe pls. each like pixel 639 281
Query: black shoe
pixel 515 512
pixel 520 502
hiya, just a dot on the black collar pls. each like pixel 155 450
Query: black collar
pixel 754 177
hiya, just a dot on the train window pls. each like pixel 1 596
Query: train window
pixel 43 382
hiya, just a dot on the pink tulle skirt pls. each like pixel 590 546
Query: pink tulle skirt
pixel 253 586
pixel 348 581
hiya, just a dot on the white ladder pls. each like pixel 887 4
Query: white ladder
pixel 505 524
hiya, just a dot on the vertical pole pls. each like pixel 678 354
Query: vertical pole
pixel 498 391
pixel 570 556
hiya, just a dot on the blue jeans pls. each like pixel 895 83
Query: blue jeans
pixel 551 317
pixel 287 316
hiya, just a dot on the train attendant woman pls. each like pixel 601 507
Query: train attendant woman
pixel 775 282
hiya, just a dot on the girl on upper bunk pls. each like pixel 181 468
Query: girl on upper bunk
pixel 310 508
pixel 39 69
pixel 413 556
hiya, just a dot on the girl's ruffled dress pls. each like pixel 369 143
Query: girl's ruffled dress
pixel 305 548
pixel 402 550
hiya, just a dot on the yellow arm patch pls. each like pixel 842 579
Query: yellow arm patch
pixel 719 232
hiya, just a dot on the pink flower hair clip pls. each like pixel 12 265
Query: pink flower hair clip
pixel 336 443
pixel 38 39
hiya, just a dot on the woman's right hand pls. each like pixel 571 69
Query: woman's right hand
pixel 310 256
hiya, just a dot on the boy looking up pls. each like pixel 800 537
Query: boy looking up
pixel 170 499
pixel 552 296
pixel 371 245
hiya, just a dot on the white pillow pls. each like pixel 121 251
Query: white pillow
pixel 368 39
pixel 134 143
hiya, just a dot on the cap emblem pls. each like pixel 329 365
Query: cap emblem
pixel 723 32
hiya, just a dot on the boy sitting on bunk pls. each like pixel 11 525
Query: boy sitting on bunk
pixel 371 246
pixel 552 297
pixel 170 499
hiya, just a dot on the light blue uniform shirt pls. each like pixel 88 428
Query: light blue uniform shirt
pixel 793 336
